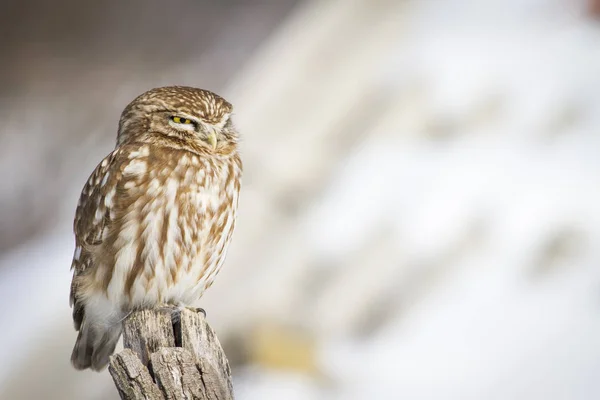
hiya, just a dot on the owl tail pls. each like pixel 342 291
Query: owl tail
pixel 95 345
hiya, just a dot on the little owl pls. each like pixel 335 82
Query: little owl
pixel 156 216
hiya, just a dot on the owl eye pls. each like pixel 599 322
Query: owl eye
pixel 179 120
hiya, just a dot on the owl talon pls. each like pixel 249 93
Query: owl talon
pixel 198 310
pixel 193 309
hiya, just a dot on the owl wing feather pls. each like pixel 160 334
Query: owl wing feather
pixel 92 218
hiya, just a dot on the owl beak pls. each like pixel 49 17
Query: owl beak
pixel 212 140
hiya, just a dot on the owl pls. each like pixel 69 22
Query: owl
pixel 156 216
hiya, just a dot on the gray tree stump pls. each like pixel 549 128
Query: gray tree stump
pixel 170 354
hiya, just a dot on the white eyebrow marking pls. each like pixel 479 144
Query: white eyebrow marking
pixel 223 120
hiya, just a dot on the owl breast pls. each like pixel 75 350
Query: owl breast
pixel 173 232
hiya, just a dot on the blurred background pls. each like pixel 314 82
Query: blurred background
pixel 420 214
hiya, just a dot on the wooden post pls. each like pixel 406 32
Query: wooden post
pixel 170 354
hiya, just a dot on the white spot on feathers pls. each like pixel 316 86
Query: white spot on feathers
pixel 109 198
pixel 77 253
pixel 135 167
pixel 105 179
pixel 98 215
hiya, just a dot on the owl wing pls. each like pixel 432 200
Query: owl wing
pixel 92 219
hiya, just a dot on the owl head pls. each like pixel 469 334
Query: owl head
pixel 183 116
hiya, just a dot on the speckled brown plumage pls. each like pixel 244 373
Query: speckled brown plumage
pixel 156 216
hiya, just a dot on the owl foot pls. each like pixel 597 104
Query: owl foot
pixel 198 310
pixel 193 309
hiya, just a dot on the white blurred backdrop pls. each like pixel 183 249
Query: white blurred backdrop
pixel 420 211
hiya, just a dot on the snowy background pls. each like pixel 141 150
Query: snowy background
pixel 420 215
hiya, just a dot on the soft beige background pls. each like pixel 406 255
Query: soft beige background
pixel 419 217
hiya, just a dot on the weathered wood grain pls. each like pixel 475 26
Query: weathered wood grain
pixel 199 338
pixel 171 354
pixel 132 378
pixel 146 331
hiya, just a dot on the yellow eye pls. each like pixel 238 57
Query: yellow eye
pixel 179 120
